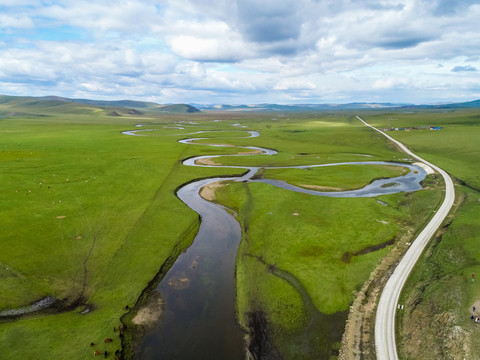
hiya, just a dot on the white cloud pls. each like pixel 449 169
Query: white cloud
pixel 101 16
pixel 294 84
pixel 17 3
pixel 389 83
pixel 206 49
pixel 335 50
pixel 12 21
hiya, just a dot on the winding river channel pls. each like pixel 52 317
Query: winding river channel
pixel 198 319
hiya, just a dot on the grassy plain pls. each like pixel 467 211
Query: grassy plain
pixel 89 216
pixel 303 256
pixel 440 292
pixel 336 178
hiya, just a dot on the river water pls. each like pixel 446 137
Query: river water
pixel 198 321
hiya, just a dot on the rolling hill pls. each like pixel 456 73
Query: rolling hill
pixel 48 105
pixel 322 107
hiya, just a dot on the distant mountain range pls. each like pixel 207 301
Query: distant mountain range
pixel 463 105
pixel 349 106
pixel 23 105
pixel 295 107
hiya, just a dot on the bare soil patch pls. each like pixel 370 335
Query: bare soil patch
pixel 448 339
pixel 321 188
pixel 251 152
pixel 208 191
pixel 207 161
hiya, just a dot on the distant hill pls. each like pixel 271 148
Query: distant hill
pixel 22 105
pixel 322 107
pixel 178 108
pixel 48 105
pixel 300 107
pixel 463 105
pixel 118 103
pixel 139 105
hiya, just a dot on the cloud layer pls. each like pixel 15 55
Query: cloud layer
pixel 242 51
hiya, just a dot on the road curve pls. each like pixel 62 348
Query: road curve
pixel 385 318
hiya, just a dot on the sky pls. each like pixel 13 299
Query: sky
pixel 242 51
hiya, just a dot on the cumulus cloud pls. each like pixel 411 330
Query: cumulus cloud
pixel 13 21
pixel 241 50
pixel 102 16
pixel 210 49
pixel 294 84
pixel 209 41
pixel 388 83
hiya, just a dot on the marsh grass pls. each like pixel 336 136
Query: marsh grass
pixel 301 249
pixel 90 215
pixel 342 177
pixel 330 248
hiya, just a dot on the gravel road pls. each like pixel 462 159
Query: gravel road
pixel 385 319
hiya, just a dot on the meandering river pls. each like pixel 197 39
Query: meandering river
pixel 198 321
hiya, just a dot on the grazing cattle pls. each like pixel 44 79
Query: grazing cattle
pixel 120 329
pixel 106 354
pixel 92 344
pixel 108 340
pixel 97 352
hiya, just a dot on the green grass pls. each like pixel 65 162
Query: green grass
pixel 312 241
pixel 326 248
pixel 453 147
pixel 318 140
pixel 77 194
pixel 119 220
pixel 340 177
pixel 440 291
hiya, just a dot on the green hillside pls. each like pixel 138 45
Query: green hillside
pixel 52 105
pixel 178 108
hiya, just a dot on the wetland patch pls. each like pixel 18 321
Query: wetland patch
pixel 198 292
pixel 347 256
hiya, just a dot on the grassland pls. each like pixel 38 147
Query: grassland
pixel 335 178
pixel 303 257
pixel 89 216
pixel 440 293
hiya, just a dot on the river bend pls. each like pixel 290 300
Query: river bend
pixel 199 318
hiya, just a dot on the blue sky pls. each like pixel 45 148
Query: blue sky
pixel 242 51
